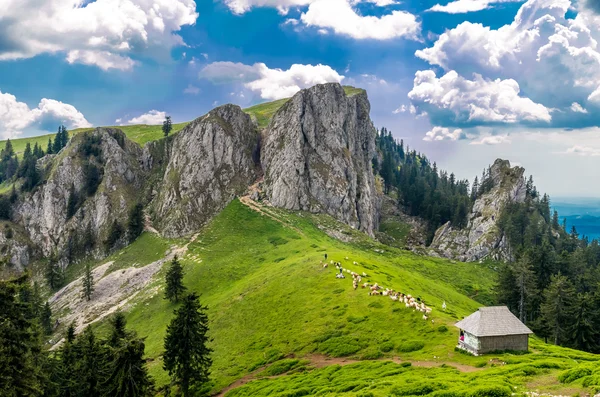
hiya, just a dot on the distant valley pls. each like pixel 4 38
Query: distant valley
pixel 583 213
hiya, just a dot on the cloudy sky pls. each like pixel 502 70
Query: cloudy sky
pixel 464 81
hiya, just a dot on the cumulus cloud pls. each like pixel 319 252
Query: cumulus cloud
pixel 583 151
pixel 477 101
pixel 153 117
pixel 342 17
pixel 103 33
pixel 554 59
pixel 16 117
pixel 444 134
pixel 464 6
pixel 491 140
pixel 270 83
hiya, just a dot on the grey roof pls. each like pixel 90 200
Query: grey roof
pixel 493 321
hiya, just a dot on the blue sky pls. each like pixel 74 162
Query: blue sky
pixel 464 81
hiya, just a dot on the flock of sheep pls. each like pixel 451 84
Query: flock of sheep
pixel 375 289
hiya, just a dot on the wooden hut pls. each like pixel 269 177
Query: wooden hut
pixel 492 328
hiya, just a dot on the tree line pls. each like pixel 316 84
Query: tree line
pixel 423 190
pixel 553 282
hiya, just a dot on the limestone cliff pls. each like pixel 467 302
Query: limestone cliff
pixel 210 162
pixel 481 238
pixel 317 156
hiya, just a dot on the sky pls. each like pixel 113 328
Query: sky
pixel 463 81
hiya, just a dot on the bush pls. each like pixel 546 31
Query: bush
pixel 442 328
pixel 375 305
pixel 573 374
pixel 340 346
pixel 410 346
pixel 356 320
pixel 327 335
pixel 481 364
pixel 417 389
pixel 280 367
pixel 490 391
pixel 386 347
pixel 371 355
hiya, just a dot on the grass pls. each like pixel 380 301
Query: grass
pixel 140 134
pixel 264 112
pixel 274 308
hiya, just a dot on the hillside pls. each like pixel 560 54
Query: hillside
pixel 273 308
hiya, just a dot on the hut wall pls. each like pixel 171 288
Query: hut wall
pixel 508 342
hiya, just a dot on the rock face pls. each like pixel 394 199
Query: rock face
pixel 211 161
pixel 15 247
pixel 481 238
pixel 43 214
pixel 317 156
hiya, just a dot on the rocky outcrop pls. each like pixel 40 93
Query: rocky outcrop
pixel 115 161
pixel 15 248
pixel 211 161
pixel 482 238
pixel 317 156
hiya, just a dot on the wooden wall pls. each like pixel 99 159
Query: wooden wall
pixel 508 342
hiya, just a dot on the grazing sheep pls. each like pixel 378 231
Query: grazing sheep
pixel 394 297
pixel 424 317
pixel 346 258
pixel 356 263
pixel 364 274
pixel 325 264
pixel 444 306
pixel 385 293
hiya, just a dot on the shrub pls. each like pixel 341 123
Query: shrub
pixel 490 391
pixel 573 374
pixel 481 364
pixel 417 389
pixel 442 328
pixel 356 320
pixel 327 335
pixel 410 346
pixel 371 355
pixel 375 305
pixel 386 347
pixel 281 367
pixel 340 346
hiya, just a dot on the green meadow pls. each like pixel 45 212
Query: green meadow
pixel 284 325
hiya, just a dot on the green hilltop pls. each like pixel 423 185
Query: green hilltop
pixel 283 325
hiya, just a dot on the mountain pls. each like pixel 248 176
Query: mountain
pixel 250 202
pixel 482 238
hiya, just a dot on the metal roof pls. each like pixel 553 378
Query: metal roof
pixel 493 321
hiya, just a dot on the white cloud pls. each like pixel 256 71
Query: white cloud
pixel 491 140
pixel 104 33
pixel 476 101
pixel 192 90
pixel 271 83
pixel 464 6
pixel 401 109
pixel 153 117
pixel 340 16
pixel 577 108
pixel 16 117
pixel 444 134
pixel 583 151
pixel 554 59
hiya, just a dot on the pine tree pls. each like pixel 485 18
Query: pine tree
pixel 46 319
pixel 174 288
pixel 58 141
pixel 68 357
pixel 136 221
pixel 53 273
pixel 49 149
pixel 167 126
pixel 557 308
pixel 128 375
pixel 584 329
pixel 114 235
pixel 90 366
pixel 555 225
pixel 20 348
pixel 88 283
pixel 525 283
pixel 187 356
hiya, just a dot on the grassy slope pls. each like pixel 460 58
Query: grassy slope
pixel 269 298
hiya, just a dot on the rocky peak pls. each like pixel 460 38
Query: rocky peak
pixel 317 156
pixel 482 238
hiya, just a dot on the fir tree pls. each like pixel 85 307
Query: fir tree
pixel 88 283
pixel 46 319
pixel 187 356
pixel 584 327
pixel 174 288
pixel 557 309
pixel 167 126
pixel 525 285
pixel 555 224
pixel 50 147
pixel 68 357
pixel 114 235
pixel 128 376
pixel 136 221
pixel 118 329
pixel 90 366
pixel 53 273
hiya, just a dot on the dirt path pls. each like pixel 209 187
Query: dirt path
pixel 253 205
pixel 320 361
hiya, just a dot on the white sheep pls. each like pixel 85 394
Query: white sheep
pixel 424 317
pixel 385 293
pixel 364 274
pixel 346 258
pixel 444 306
pixel 355 263
pixel 394 297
